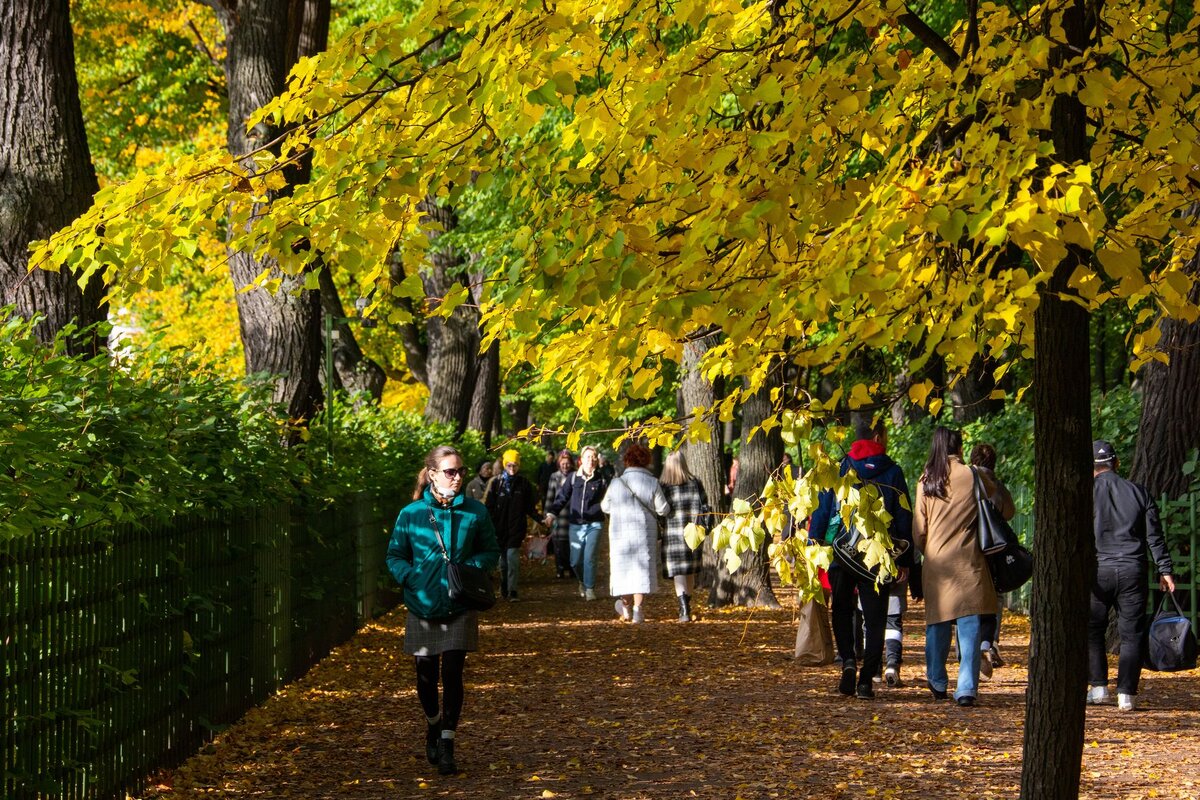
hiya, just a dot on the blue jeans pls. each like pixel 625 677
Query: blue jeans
pixel 937 650
pixel 584 540
pixel 510 570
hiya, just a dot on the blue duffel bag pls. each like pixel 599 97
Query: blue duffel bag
pixel 1170 642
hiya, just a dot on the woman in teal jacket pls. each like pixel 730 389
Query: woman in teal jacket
pixel 439 632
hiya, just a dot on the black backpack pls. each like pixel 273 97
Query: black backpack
pixel 1170 642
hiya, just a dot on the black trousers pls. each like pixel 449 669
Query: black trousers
pixel 1123 586
pixel 452 663
pixel 843 601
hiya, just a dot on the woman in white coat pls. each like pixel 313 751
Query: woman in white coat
pixel 634 502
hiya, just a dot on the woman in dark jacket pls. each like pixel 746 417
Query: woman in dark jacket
pixel 580 496
pixel 440 525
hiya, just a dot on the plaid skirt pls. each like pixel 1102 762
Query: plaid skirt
pixel 425 638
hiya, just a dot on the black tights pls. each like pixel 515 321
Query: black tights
pixel 452 663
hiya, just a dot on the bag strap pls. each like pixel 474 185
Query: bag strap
pixel 1162 606
pixel 437 531
pixel 978 481
pixel 636 496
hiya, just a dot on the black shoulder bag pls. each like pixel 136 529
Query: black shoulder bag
pixel 469 586
pixel 1010 564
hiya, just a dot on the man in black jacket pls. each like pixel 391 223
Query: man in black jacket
pixel 1126 526
pixel 512 502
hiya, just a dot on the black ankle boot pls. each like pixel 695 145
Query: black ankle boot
pixel 445 761
pixel 685 608
pixel 433 734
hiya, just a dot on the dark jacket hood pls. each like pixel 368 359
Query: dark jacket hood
pixel 868 459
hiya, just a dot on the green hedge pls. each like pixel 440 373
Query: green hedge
pixel 90 441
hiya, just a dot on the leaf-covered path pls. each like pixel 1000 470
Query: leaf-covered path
pixel 565 701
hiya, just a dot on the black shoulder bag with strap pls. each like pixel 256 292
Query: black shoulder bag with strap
pixel 993 530
pixel 1010 564
pixel 469 585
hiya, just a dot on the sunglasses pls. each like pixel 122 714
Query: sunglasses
pixel 461 472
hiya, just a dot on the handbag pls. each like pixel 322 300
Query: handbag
pixel 469 585
pixel 1170 642
pixel 1011 568
pixel 993 530
pixel 814 640
pixel 844 542
pixel 537 548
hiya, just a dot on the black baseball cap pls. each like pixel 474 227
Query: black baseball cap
pixel 1103 452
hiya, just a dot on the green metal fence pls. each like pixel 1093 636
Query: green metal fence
pixel 123 650
pixel 1179 525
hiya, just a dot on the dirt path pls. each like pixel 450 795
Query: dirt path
pixel 564 701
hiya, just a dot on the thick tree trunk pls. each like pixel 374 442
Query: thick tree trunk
pixel 971 394
pixel 485 397
pixel 1170 425
pixel 281 331
pixel 485 400
pixel 46 174
pixel 453 342
pixel 1064 548
pixel 757 459
pixel 704 458
pixel 353 371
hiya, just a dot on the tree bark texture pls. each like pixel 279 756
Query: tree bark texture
pixel 452 342
pixel 353 371
pixel 485 399
pixel 281 331
pixel 971 394
pixel 46 173
pixel 703 458
pixel 1064 547
pixel 757 459
pixel 1170 425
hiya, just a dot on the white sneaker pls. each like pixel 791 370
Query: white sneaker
pixel 638 614
pixel 622 610
pixel 891 676
pixel 582 592
pixel 1125 702
pixel 1097 695
pixel 589 594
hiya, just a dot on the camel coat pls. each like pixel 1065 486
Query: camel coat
pixel 954 572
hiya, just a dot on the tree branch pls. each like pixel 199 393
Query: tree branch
pixel 930 38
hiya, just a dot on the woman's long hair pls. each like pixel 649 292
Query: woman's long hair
pixel 675 470
pixel 431 461
pixel 946 442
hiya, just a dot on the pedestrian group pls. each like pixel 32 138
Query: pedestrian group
pixel 482 523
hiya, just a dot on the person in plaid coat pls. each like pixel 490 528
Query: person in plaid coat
pixel 560 529
pixel 689 504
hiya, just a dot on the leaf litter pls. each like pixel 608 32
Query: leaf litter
pixel 564 701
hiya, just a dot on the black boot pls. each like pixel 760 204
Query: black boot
pixel 685 608
pixel 433 734
pixel 445 762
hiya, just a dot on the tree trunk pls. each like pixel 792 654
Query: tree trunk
pixel 353 371
pixel 281 331
pixel 1170 425
pixel 453 342
pixel 1064 547
pixel 970 396
pixel 46 174
pixel 757 459
pixel 485 400
pixel 703 458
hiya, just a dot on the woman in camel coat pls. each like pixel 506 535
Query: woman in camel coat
pixel 957 585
